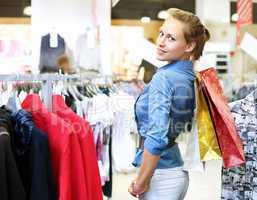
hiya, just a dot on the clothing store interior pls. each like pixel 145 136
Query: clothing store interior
pixel 71 72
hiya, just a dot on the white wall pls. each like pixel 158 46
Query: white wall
pixel 104 20
pixel 215 14
pixel 213 10
pixel 70 18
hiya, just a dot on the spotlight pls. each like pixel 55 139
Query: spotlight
pixel 163 14
pixel 234 17
pixel 145 19
pixel 27 11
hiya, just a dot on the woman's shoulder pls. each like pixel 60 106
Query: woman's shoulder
pixel 162 81
pixel 167 75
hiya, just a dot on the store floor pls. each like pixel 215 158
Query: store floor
pixel 203 186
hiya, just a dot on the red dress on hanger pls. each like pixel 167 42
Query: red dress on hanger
pixel 86 140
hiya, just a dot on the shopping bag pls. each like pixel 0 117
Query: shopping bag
pixel 228 138
pixel 189 148
pixel 208 144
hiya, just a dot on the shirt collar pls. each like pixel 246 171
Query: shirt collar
pixel 182 65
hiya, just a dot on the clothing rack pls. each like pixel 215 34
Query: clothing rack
pixel 47 81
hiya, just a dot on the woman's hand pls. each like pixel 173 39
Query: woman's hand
pixel 137 189
pixel 139 186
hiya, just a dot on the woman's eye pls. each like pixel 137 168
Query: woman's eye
pixel 161 33
pixel 170 38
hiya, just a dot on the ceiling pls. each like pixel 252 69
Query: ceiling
pixel 124 9
pixel 135 9
pixel 12 8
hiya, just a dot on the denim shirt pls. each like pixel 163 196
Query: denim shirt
pixel 163 110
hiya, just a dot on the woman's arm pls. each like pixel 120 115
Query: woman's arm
pixel 149 163
pixel 141 184
pixel 156 140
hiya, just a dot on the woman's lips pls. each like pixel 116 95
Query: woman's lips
pixel 161 51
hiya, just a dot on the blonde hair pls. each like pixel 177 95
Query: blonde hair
pixel 194 30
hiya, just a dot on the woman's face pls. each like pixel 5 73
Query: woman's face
pixel 171 44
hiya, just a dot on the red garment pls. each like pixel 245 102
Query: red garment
pixel 65 151
pixel 88 149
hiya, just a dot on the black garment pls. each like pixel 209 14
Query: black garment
pixel 70 102
pixel 32 156
pixel 107 188
pixel 150 70
pixel 49 56
pixel 6 120
pixel 10 183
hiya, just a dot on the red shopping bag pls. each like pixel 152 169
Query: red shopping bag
pixel 228 138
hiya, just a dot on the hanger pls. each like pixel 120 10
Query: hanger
pixel 76 92
pixel 6 92
pixel 88 92
pixel 36 88
pixel 92 89
pixel 58 87
pixel 73 94
pixel 97 89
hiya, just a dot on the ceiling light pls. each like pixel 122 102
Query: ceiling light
pixel 145 20
pixel 234 17
pixel 114 2
pixel 163 14
pixel 27 11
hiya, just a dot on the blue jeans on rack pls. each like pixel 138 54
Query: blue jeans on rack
pixel 168 184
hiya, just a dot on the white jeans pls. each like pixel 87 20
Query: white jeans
pixel 167 184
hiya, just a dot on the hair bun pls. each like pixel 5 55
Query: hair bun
pixel 206 34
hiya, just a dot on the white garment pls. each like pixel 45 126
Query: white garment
pixel 4 97
pixel 86 56
pixel 118 111
pixel 79 108
pixel 167 184
pixel 188 142
pixel 98 109
pixel 53 39
pixel 123 144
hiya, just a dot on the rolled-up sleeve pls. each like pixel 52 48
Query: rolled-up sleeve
pixel 160 99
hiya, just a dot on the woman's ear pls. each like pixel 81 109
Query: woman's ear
pixel 190 47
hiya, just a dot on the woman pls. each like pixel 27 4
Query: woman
pixel 166 107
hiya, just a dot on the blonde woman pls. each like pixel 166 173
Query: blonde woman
pixel 165 107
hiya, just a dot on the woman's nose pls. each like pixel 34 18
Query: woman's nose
pixel 161 41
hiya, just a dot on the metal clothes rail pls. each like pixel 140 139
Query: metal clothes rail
pixel 47 81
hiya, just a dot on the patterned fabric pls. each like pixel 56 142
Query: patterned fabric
pixel 240 183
